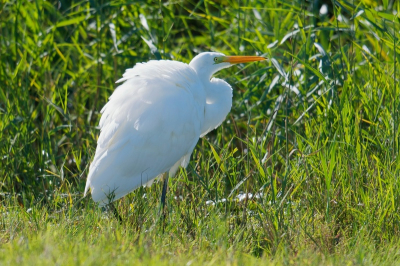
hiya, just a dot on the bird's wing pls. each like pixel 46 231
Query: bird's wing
pixel 151 122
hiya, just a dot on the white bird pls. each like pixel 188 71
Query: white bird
pixel 153 121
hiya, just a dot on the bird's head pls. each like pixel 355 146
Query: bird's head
pixel 209 63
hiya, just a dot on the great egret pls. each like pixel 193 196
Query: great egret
pixel 153 121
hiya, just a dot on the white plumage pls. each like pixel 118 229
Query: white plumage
pixel 153 121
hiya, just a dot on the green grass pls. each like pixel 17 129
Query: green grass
pixel 312 139
pixel 89 237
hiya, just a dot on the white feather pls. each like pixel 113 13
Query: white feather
pixel 147 128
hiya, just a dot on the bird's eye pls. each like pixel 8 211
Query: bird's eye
pixel 215 59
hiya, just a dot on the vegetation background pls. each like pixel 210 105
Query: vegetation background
pixel 305 169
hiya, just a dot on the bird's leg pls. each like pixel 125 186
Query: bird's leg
pixel 164 192
pixel 115 212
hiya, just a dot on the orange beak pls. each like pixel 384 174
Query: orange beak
pixel 242 59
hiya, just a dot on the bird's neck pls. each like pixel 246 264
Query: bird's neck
pixel 218 103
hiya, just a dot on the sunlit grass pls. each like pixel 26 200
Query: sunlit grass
pixel 305 169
